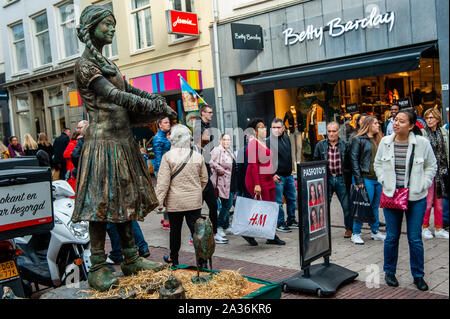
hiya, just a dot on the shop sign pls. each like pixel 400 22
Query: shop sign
pixel 336 28
pixel 404 103
pixel 247 36
pixel 179 22
pixel 3 95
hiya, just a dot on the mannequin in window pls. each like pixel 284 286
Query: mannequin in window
pixel 314 116
pixel 294 119
pixel 295 128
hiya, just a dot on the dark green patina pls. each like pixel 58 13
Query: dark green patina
pixel 204 245
pixel 113 183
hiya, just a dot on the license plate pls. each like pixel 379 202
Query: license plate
pixel 8 270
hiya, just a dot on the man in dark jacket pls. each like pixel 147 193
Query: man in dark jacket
pixel 336 152
pixel 59 146
pixel 280 145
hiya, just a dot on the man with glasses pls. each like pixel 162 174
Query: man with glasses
pixel 203 123
pixel 335 151
pixel 280 144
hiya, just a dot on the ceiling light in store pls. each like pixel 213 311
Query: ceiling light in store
pixel 403 74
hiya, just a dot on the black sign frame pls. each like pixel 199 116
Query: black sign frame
pixel 351 108
pixel 404 103
pixel 305 211
pixel 243 35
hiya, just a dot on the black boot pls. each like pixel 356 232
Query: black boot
pixel 420 283
pixel 173 261
pixel 251 240
pixel 275 241
pixel 391 280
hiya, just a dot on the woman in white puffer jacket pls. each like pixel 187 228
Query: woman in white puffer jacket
pixel 391 167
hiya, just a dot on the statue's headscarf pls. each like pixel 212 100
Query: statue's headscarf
pixel 89 19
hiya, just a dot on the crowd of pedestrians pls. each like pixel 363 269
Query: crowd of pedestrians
pixel 192 169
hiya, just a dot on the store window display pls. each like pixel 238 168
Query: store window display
pixel 295 129
pixel 314 116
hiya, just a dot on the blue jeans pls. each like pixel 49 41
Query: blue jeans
pixel 336 184
pixel 223 221
pixel 414 218
pixel 287 188
pixel 116 249
pixel 374 190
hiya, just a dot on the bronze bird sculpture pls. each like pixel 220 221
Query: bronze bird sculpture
pixel 204 244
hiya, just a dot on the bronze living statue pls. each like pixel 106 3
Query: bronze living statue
pixel 113 183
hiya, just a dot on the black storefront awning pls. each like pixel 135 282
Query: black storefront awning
pixel 393 61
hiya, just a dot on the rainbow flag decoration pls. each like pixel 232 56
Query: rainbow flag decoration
pixel 190 97
pixel 167 81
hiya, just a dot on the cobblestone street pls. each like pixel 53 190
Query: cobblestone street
pixel 285 260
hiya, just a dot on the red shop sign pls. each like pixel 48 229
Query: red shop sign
pixel 179 22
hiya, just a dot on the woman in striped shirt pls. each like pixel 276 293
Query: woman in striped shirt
pixel 391 165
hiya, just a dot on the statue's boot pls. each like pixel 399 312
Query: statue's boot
pixel 132 262
pixel 100 276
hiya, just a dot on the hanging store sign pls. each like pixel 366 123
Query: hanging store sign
pixel 184 23
pixel 336 28
pixel 247 36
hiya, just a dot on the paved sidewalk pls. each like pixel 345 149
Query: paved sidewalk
pixel 363 259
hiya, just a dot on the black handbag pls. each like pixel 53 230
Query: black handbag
pixel 360 206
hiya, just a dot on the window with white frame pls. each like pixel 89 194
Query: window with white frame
pixel 185 6
pixel 110 50
pixel 67 26
pixel 20 54
pixel 142 24
pixel 43 54
pixel 23 114
pixel 56 104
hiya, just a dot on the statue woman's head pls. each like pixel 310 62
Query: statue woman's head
pixel 97 26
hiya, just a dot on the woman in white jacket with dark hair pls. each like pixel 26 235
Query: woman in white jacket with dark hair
pixel 391 165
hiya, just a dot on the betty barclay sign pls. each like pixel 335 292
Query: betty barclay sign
pixel 184 23
pixel 247 36
pixel 337 28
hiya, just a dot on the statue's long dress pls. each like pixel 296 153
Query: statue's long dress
pixel 113 183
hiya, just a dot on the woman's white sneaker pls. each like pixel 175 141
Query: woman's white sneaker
pixel 440 233
pixel 221 232
pixel 378 236
pixel 220 240
pixel 427 234
pixel 356 239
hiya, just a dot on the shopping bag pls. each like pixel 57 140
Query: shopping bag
pixel 254 218
pixel 360 205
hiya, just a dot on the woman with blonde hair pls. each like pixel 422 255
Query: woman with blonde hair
pixel 4 153
pixel 46 146
pixel 438 190
pixel 362 155
pixel 30 147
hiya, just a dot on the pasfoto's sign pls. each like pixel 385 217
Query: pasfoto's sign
pixel 184 23
pixel 247 36
pixel 337 28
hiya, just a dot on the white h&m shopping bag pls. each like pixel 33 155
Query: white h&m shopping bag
pixel 255 218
